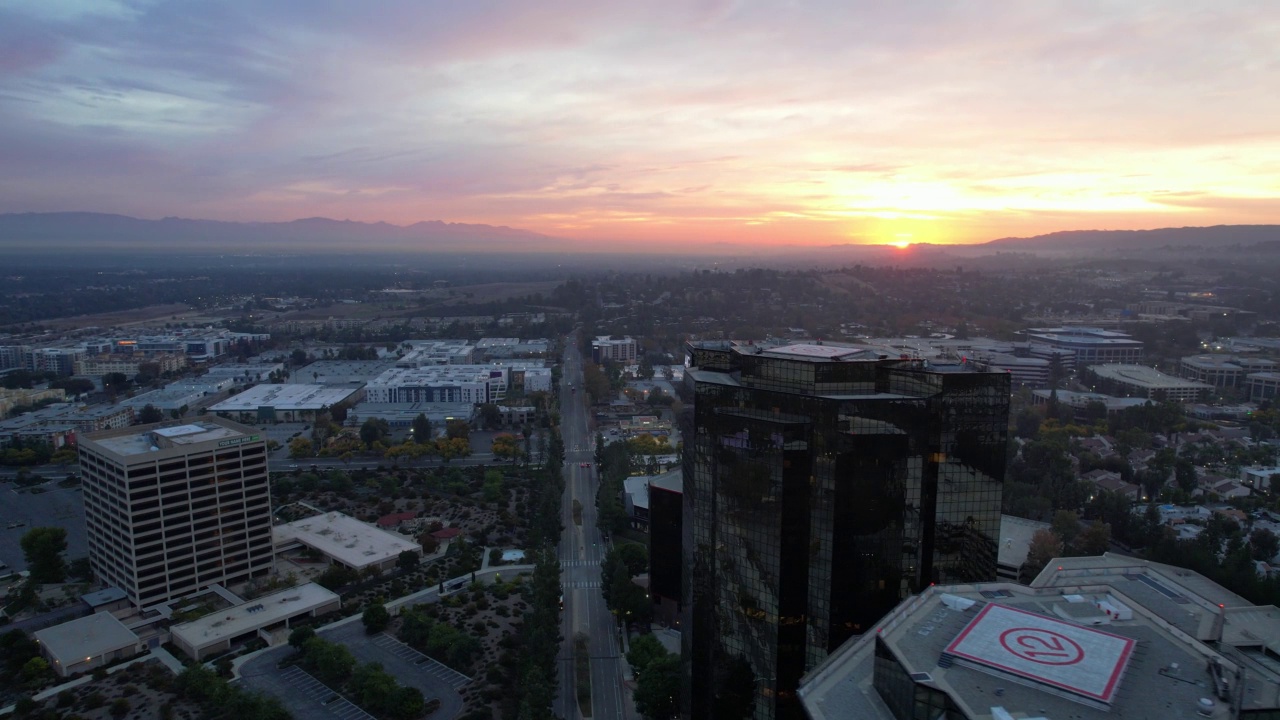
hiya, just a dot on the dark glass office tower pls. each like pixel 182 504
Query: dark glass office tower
pixel 822 485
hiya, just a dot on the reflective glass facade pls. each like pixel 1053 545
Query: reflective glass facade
pixel 818 494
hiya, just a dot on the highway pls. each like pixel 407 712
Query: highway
pixel 581 554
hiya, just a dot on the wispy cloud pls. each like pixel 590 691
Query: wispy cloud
pixel 694 121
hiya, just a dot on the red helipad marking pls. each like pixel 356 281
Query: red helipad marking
pixel 1044 649
pixel 1042 646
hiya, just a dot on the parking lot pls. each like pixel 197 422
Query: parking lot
pixel 443 672
pixel 45 505
pixel 283 433
pixel 301 694
pixel 306 698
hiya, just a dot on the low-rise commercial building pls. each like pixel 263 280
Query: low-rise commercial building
pixel 402 415
pixel 285 403
pixel 177 395
pixel 1080 401
pixel 247 372
pixel 497 348
pixel 1262 386
pixel 345 541
pixel 1223 371
pixel 423 353
pixel 1145 382
pixel 340 372
pixel 86 643
pixel 1092 346
pixel 266 618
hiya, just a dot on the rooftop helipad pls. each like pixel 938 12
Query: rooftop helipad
pixel 1043 650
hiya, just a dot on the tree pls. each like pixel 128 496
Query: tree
pixel 644 650
pixel 1184 474
pixel 331 662
pixel 300 448
pixel 1094 539
pixel 494 485
pixel 449 448
pixel 1263 544
pixel 337 576
pixel 300 636
pixel 115 382
pixel 150 414
pixel 376 619
pixel 64 456
pixel 658 688
pixel 73 385
pixel 373 431
pixel 504 446
pixel 634 556
pixel 35 670
pixel 43 548
pixel 490 416
pixel 298 357
pixel 457 429
pixel 421 429
pixel 408 560
pixel 1045 546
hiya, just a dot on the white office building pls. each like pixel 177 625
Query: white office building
pixel 172 509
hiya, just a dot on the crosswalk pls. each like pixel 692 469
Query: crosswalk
pixel 332 701
pixel 578 563
pixel 581 585
pixel 452 677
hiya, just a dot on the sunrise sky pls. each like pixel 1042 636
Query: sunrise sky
pixel 650 123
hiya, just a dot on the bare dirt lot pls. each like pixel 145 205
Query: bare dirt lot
pixel 120 318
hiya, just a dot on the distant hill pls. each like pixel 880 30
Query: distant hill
pixel 93 232
pixel 1259 237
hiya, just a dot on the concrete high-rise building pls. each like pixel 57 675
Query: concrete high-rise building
pixel 824 484
pixel 174 508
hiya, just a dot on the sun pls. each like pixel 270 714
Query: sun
pixel 902 244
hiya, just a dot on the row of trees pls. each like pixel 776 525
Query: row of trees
pixel 367 684
pixel 440 640
pixel 658 687
pixel 539 638
pixel 628 602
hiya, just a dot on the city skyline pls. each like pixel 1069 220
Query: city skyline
pixel 654 126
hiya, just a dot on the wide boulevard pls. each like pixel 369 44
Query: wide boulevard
pixel 581 554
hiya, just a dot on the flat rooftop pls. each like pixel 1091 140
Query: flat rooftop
pixel 1015 539
pixel 262 612
pixel 1011 648
pixel 146 439
pixel 1044 650
pixel 86 637
pixel 822 352
pixel 1141 375
pixel 285 397
pixel 345 539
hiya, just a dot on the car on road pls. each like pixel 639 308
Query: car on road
pixel 585 464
